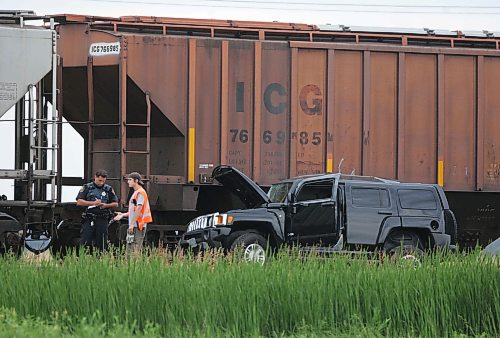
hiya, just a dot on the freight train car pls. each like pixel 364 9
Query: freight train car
pixel 174 98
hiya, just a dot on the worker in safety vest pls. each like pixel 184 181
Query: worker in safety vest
pixel 139 213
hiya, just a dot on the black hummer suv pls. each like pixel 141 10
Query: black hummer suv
pixel 332 212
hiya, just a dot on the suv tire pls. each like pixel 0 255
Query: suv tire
pixel 253 245
pixel 404 247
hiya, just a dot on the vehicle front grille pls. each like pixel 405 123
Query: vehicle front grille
pixel 201 222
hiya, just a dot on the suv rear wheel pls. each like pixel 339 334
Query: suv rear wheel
pixel 405 247
pixel 253 245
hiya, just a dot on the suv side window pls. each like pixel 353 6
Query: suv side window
pixel 315 191
pixel 370 197
pixel 417 199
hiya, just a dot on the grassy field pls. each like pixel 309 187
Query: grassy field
pixel 161 295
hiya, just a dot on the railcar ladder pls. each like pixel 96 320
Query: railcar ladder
pixel 146 152
pixel 38 229
pixel 122 126
pixel 91 125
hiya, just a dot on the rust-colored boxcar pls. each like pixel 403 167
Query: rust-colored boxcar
pixel 179 97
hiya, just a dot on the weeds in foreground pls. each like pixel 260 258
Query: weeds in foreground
pixel 215 294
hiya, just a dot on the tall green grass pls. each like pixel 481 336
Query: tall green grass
pixel 217 296
pixel 12 325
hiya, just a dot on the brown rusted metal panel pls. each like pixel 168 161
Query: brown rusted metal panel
pixel 74 54
pixel 347 102
pixel 460 122
pixel 239 132
pixel 309 132
pixel 191 129
pixel 257 112
pixel 401 115
pixel 392 48
pixel 382 109
pixel 208 106
pixel 292 166
pixel 74 45
pixel 440 121
pixel 480 123
pixel 159 65
pixel 224 101
pixel 420 119
pixel 275 113
pixel 491 125
pixel 380 125
pixel 282 31
pixel 330 112
pixel 366 107
pixel 103 37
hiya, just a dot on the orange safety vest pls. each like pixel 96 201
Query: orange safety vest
pixel 145 211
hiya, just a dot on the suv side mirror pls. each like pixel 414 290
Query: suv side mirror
pixel 292 197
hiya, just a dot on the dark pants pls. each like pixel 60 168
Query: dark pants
pixel 95 234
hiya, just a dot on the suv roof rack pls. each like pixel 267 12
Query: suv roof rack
pixel 346 177
pixel 366 178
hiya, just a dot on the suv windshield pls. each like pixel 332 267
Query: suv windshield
pixel 279 191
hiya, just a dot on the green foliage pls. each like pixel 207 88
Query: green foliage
pixel 174 295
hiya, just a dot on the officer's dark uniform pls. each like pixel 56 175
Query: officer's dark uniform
pixel 94 219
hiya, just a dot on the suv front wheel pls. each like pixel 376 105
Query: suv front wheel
pixel 253 247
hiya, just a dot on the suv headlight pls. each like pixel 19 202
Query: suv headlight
pixel 222 219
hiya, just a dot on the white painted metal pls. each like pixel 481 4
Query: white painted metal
pixel 26 55
pixel 55 146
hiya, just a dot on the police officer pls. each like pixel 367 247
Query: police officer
pixel 98 198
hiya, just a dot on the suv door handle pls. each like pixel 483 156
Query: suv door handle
pixel 384 212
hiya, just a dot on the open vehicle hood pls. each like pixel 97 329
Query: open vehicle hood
pixel 246 189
